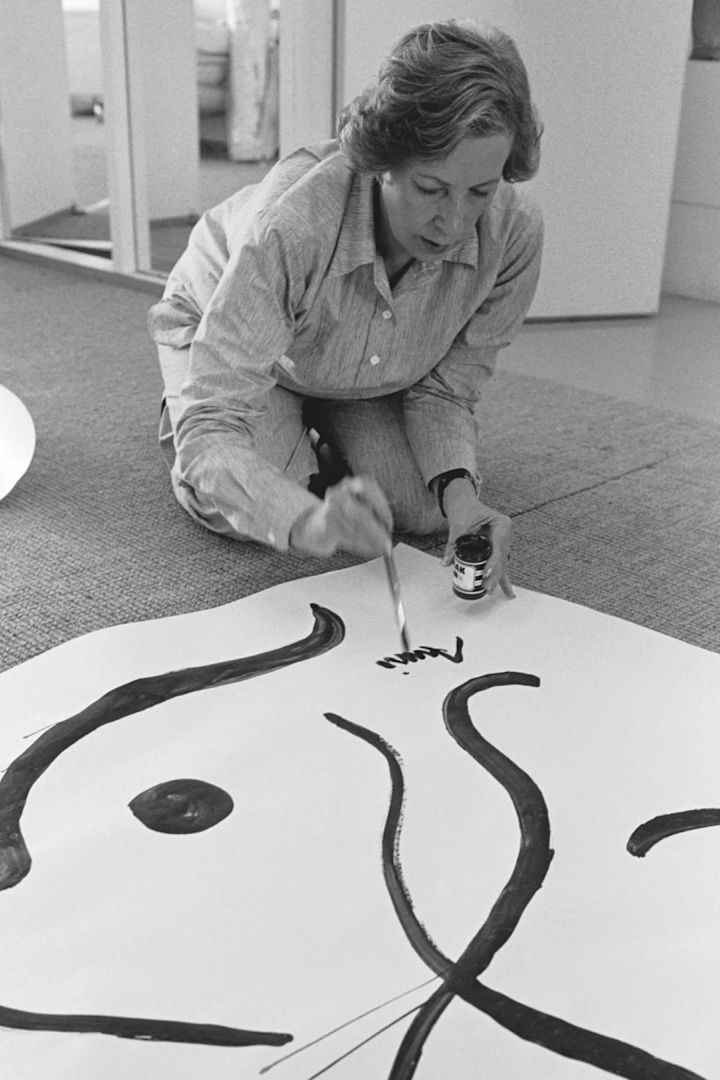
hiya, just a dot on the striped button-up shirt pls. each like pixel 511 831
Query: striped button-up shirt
pixel 283 284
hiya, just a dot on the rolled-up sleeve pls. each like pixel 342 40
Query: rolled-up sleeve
pixel 440 408
pixel 245 328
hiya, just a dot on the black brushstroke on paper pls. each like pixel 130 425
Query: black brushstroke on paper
pixel 660 828
pixel 137 1027
pixel 126 700
pixel 422 653
pixel 182 806
pixel 461 978
pixel 133 697
pixel 191 806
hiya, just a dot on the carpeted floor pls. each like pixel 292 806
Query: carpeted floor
pixel 616 506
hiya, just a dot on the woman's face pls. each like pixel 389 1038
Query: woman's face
pixel 427 207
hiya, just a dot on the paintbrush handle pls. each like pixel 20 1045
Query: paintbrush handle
pixel 390 568
pixel 394 581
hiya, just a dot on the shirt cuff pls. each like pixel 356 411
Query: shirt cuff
pixel 264 508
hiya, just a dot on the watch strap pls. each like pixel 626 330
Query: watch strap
pixel 443 481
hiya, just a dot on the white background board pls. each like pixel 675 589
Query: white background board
pixel 278 917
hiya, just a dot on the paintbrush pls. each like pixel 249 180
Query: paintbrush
pixel 357 489
pixel 394 582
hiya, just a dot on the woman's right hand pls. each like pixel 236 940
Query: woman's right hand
pixel 354 516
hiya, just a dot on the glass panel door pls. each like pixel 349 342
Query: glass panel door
pixel 211 125
pixel 54 180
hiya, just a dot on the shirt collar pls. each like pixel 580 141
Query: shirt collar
pixel 356 240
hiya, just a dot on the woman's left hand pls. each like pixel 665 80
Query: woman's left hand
pixel 466 514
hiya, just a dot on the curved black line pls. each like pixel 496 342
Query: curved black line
pixel 535 853
pixel 133 697
pixel 528 874
pixel 570 1041
pixel 543 1029
pixel 392 870
pixel 651 832
pixel 133 1027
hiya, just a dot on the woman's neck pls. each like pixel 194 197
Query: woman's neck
pixel 393 254
pixel 395 273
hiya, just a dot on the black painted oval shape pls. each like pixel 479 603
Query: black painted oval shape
pixel 181 806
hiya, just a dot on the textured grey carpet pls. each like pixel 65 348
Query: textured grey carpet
pixel 616 506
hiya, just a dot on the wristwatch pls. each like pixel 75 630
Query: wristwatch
pixel 445 478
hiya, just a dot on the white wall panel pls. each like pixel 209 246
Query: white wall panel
pixel 692 257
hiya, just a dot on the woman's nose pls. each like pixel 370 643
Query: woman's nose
pixel 451 217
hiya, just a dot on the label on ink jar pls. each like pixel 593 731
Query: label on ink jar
pixel 472 552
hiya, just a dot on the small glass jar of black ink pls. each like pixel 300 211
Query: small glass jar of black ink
pixel 472 551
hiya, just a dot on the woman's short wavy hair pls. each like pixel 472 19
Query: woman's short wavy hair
pixel 443 82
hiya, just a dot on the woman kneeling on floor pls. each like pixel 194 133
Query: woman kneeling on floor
pixel 326 334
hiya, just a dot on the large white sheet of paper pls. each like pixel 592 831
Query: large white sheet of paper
pixel 313 903
pixel 17 440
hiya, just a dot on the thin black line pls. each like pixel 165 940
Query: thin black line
pixel 349 1023
pixel 31 734
pixel 364 1042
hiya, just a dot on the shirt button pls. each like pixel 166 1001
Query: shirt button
pixel 387 314
pixel 374 360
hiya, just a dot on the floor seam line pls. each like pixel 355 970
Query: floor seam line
pixel 590 487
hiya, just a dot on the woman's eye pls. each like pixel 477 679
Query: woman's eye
pixel 440 191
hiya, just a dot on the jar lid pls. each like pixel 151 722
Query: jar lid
pixel 473 547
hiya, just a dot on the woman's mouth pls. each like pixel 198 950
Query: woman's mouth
pixel 432 247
